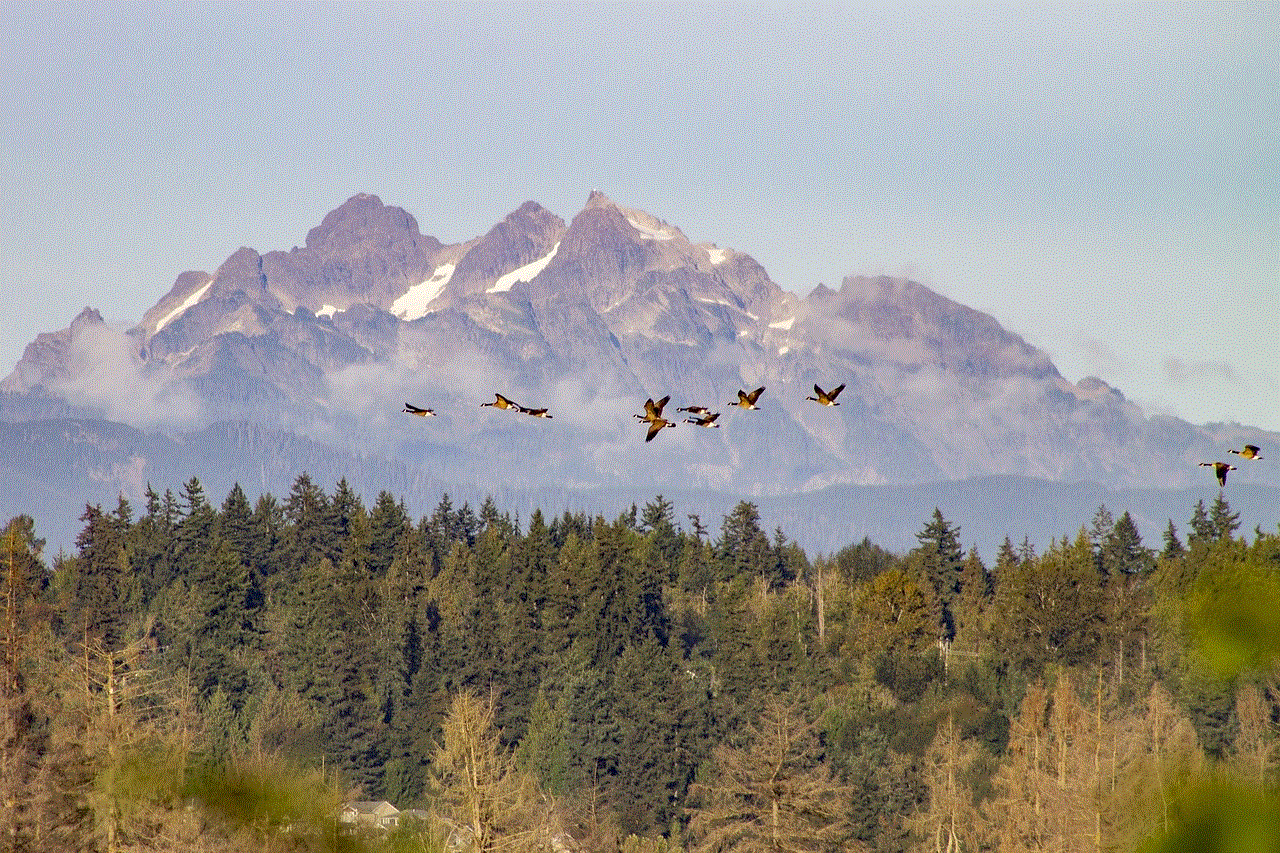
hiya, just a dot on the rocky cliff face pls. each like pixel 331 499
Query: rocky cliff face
pixel 589 318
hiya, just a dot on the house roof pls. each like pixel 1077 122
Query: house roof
pixel 374 807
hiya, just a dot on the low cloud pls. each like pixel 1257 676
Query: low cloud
pixel 106 373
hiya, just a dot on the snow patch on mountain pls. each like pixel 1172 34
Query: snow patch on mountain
pixel 524 273
pixel 191 300
pixel 327 311
pixel 717 255
pixel 413 304
pixel 651 229
pixel 784 325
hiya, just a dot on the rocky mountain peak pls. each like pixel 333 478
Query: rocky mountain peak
pixel 363 218
pixel 48 359
pixel 923 326
pixel 526 236
pixel 87 317
pixel 1092 387
pixel 598 199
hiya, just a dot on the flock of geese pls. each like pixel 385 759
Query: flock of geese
pixel 1220 469
pixel 699 415
pixel 703 416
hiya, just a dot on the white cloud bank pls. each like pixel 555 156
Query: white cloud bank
pixel 107 374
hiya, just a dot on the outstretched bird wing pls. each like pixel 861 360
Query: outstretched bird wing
pixel 654 428
pixel 654 410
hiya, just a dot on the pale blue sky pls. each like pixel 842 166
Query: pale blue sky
pixel 1105 181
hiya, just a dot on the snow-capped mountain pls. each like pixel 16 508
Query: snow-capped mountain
pixel 589 318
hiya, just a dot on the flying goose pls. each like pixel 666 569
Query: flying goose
pixel 747 401
pixel 695 410
pixel 1250 451
pixel 537 413
pixel 652 410
pixel 1220 470
pixel 502 402
pixel 826 398
pixel 655 427
pixel 414 410
pixel 707 420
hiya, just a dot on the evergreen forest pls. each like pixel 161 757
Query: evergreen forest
pixel 205 675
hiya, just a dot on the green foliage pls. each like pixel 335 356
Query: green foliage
pixel 1234 612
pixel 620 660
pixel 1219 814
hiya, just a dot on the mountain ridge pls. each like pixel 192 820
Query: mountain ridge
pixel 589 317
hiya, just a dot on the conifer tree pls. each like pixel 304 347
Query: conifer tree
pixel 657 522
pixel 1049 608
pixel 1006 558
pixel 622 600
pixel 1122 551
pixel 648 781
pixel 266 555
pixel 388 526
pixel 222 630
pixel 1173 547
pixel 97 587
pixel 941 559
pixel 309 533
pixel 1223 522
pixel 1202 530
pixel 1099 532
pixel 530 563
pixel 743 549
pixel 234 523
pixel 546 750
pixel 971 603
pixel 152 545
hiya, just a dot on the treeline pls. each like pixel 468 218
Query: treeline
pixel 200 678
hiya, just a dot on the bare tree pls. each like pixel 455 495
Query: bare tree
pixel 949 822
pixel 774 794
pixel 485 803
pixel 1256 742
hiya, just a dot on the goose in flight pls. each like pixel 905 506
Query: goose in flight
pixel 695 410
pixel 655 426
pixel 1220 470
pixel 537 413
pixel 420 412
pixel 707 420
pixel 502 402
pixel 747 401
pixel 1250 451
pixel 652 410
pixel 826 398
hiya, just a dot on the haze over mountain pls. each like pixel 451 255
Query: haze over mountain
pixel 321 344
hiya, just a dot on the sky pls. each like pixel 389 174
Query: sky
pixel 1103 180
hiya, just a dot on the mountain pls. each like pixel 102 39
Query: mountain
pixel 323 343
